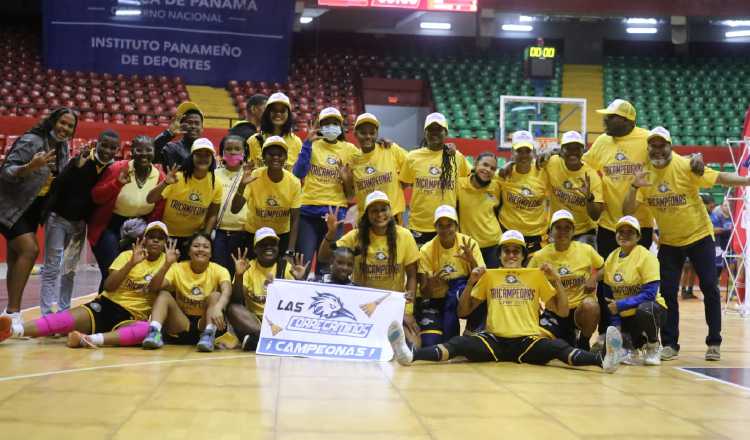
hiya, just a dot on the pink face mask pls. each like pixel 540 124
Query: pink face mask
pixel 232 160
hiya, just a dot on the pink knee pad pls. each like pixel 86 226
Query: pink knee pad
pixel 60 323
pixel 133 334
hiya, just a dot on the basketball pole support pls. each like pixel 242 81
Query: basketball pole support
pixel 736 258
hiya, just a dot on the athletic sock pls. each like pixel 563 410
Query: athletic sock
pixel 428 354
pixel 211 328
pixel 17 330
pixel 156 325
pixel 97 339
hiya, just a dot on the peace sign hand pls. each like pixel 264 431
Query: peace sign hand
pixel 641 179
pixel 332 221
pixel 466 252
pixel 139 251
pixel 241 263
pixel 585 189
pixel 41 159
pixel 172 254
pixel 171 176
pixel 175 125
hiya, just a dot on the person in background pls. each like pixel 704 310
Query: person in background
pixel 277 120
pixel 188 122
pixel 70 206
pixel 722 221
pixel 247 127
pixel 27 172
pixel 230 232
pixel 120 195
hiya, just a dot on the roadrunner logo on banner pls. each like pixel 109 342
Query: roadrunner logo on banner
pixel 328 321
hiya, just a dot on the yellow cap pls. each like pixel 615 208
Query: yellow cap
pixel 275 140
pixel 263 233
pixel 376 196
pixel 446 211
pixel 628 220
pixel 619 107
pixel 279 98
pixel 521 139
pixel 156 225
pixel 366 118
pixel 660 132
pixel 330 112
pixel 202 144
pixel 436 118
pixel 511 236
pixel 185 107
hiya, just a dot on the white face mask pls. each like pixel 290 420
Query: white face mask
pixel 331 132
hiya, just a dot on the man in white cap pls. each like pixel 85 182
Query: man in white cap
pixel 670 190
pixel 188 121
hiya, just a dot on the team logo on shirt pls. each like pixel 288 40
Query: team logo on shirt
pixel 568 184
pixel 332 160
pixel 380 256
pixel 370 170
pixel 663 187
pixel 435 171
pixel 270 201
pixel 562 270
pixel 527 192
pixel 194 197
pixel 447 268
pixel 196 291
pixel 511 279
pixel 148 277
pixel 621 156
pixel 491 197
pixel 618 277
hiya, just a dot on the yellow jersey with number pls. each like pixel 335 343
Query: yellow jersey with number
pixel 574 266
pixel 191 290
pixel 187 203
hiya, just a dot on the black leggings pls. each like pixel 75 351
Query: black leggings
pixel 644 326
pixel 486 347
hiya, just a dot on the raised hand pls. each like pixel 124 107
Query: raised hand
pixel 585 189
pixel 332 221
pixel 641 179
pixel 41 159
pixel 139 251
pixel 549 272
pixel 171 254
pixel 313 131
pixel 247 172
pixel 241 263
pixel 175 126
pixel 476 274
pixel 299 266
pixel 697 166
pixel 171 177
pixel 124 177
pixel 466 252
pixel 83 156
pixel 451 148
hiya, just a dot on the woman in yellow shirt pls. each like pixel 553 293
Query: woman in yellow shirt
pixel 230 233
pixel 431 171
pixel 377 165
pixel 111 316
pixel 277 120
pixel 192 297
pixel 386 254
pixel 445 263
pixel 324 164
pixel 478 203
pixel 577 264
pixel 513 296
pixel 192 195
pixel 524 206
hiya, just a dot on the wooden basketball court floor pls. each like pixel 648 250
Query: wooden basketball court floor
pixel 50 391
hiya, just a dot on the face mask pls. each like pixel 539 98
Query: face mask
pixel 232 160
pixel 331 132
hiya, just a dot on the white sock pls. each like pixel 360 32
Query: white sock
pixel 155 324
pixel 97 339
pixel 17 330
pixel 211 328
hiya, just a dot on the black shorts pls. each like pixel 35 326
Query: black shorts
pixel 29 221
pixel 559 327
pixel 486 347
pixel 106 315
pixel 191 335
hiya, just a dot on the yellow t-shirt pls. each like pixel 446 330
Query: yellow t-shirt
pixel 269 204
pixel 525 202
pixel 562 184
pixel 433 258
pixel 476 211
pixel 133 293
pixel 323 185
pixel 192 290
pixel 379 274
pixel 378 170
pixel 229 221
pixel 626 275
pixel 187 203
pixel 47 185
pixel 618 159
pixel 573 265
pixel 674 200
pixel 513 297
pixel 422 169
pixel 256 287
pixel 131 200
pixel 292 141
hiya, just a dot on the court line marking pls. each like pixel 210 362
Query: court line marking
pixel 93 294
pixel 705 377
pixel 106 367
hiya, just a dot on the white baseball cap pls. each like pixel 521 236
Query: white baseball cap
pixel 446 211
pixel 521 139
pixel 376 196
pixel 275 140
pixel 330 112
pixel 629 220
pixel 263 233
pixel 660 132
pixel 572 137
pixel 156 225
pixel 202 144
pixel 367 118
pixel 280 98
pixel 436 118
pixel 511 236
pixel 561 214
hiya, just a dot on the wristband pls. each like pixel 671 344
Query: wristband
pixel 409 308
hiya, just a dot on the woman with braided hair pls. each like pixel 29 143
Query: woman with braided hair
pixel 431 171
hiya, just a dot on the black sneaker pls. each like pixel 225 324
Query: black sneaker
pixel 250 343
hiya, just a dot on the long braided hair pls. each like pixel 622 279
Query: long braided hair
pixel 363 243
pixel 448 168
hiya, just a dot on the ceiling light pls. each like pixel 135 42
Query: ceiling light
pixel 305 20
pixel 127 12
pixel 641 21
pixel 641 30
pixel 736 34
pixel 435 25
pixel 525 19
pixel 735 23
pixel 517 28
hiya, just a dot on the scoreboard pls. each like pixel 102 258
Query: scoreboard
pixel 421 5
pixel 539 62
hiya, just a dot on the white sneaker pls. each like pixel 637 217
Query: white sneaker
pixel 16 322
pixel 632 357
pixel 396 337
pixel 613 346
pixel 653 354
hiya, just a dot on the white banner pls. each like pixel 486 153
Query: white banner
pixel 328 321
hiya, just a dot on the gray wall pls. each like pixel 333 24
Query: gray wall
pixel 400 124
